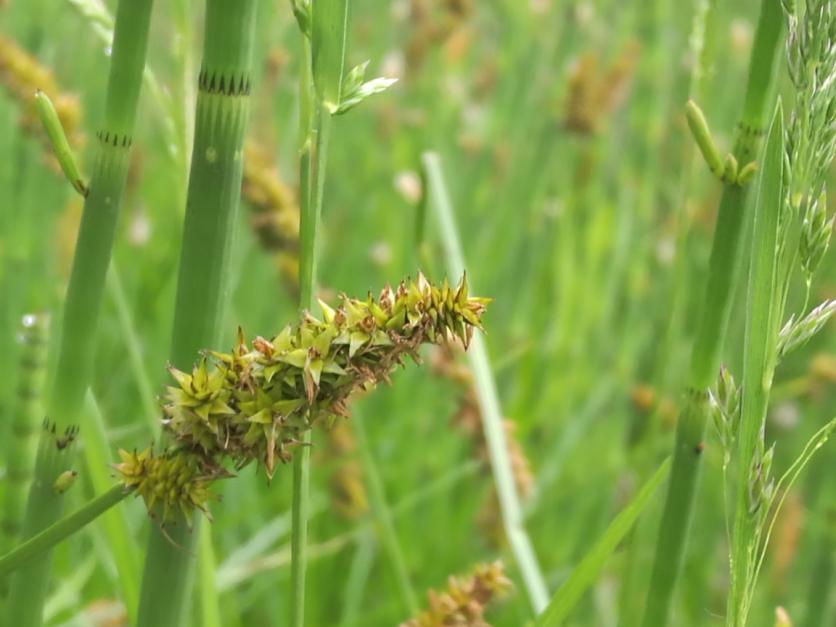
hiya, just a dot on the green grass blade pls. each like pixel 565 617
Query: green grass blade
pixel 97 460
pixel 758 365
pixel 509 500
pixel 329 33
pixel 587 572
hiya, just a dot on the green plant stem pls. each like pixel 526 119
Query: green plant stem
pixel 209 608
pixel 308 228
pixel 43 541
pixel 509 500
pixel 203 283
pixel 323 57
pixel 85 290
pixel 28 412
pixel 723 274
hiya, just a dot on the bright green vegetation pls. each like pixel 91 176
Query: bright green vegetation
pixel 639 187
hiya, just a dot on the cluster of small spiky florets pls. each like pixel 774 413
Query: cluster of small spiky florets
pixel 255 402
pixel 171 483
pixel 465 600
pixel 23 75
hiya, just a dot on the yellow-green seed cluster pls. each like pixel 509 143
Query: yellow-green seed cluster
pixel 254 403
pixel 171 483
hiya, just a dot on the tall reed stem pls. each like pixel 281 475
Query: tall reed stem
pixel 84 294
pixel 323 62
pixel 503 474
pixel 203 282
pixel 723 279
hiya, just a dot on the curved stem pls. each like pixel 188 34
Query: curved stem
pixel 52 535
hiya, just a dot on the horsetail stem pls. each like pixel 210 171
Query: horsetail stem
pixel 202 290
pixel 84 293
pixel 723 274
pixel 22 445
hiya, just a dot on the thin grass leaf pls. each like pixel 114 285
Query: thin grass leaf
pixel 329 25
pixel 503 473
pixel 758 367
pixel 587 572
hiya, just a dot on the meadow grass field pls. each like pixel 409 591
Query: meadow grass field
pixel 418 312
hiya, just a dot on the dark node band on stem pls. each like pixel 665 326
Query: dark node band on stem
pixel 115 139
pixel 218 82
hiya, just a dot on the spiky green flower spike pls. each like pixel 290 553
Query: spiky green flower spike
pixel 259 399
pixel 171 482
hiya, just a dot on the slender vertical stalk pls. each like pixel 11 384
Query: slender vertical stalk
pixel 22 441
pixel 26 418
pixel 308 228
pixel 323 62
pixel 723 274
pixel 509 500
pixel 702 37
pixel 84 294
pixel 203 282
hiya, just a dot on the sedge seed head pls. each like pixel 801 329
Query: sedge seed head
pixel 255 402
